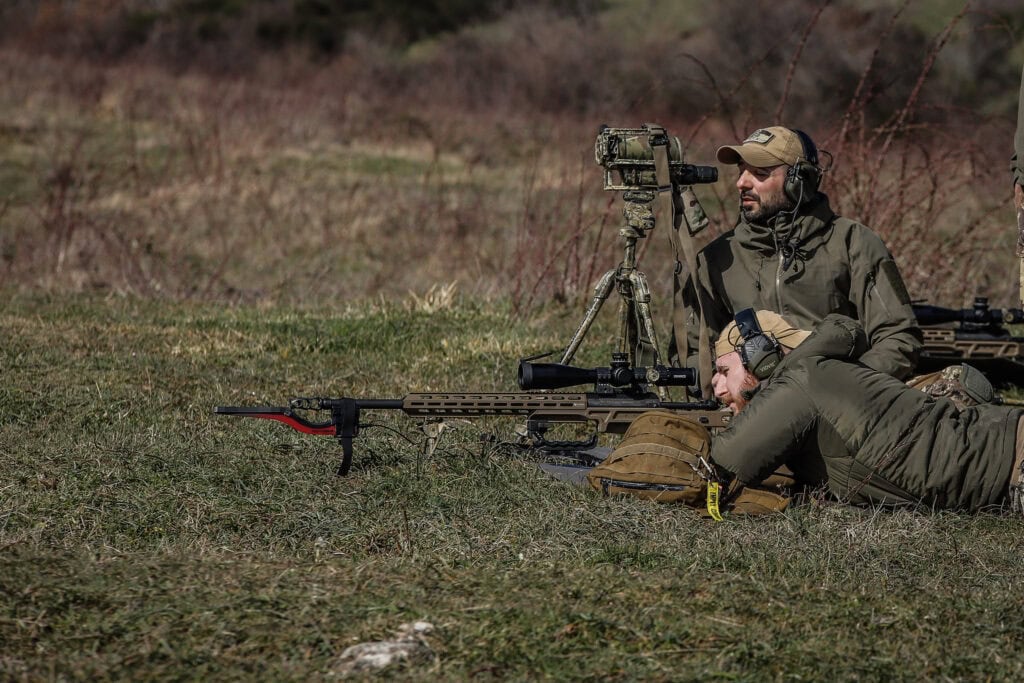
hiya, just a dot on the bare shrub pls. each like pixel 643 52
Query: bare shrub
pixel 907 177
pixel 904 156
pixel 556 250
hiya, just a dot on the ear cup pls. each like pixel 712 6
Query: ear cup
pixel 802 181
pixel 759 352
pixel 804 177
pixel 760 355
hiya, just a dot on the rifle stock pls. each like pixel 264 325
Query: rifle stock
pixel 607 413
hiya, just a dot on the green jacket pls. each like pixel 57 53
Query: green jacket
pixel 868 436
pixel 837 266
pixel 1017 166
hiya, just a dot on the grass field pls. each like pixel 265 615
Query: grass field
pixel 142 537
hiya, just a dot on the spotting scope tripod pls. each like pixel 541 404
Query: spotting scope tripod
pixel 646 162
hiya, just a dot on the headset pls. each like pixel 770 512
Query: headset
pixel 804 177
pixel 759 352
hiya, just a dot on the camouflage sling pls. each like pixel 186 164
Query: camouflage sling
pixel 1018 201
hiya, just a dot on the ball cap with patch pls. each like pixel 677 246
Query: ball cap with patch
pixel 764 148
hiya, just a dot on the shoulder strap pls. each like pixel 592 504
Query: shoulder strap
pixel 681 238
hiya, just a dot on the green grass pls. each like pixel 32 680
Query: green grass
pixel 142 537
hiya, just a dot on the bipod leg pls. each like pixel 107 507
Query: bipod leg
pixel 601 292
pixel 345 412
pixel 432 428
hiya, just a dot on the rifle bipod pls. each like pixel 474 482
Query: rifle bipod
pixel 342 425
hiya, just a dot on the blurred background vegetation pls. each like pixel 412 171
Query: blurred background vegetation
pixel 306 150
pixel 623 51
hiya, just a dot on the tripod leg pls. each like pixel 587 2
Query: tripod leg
pixel 627 322
pixel 601 292
pixel 644 321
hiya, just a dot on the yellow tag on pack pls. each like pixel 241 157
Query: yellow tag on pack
pixel 713 501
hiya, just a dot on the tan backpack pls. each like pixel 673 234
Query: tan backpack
pixel 660 458
pixel 657 459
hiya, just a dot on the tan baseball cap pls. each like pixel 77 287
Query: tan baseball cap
pixel 771 323
pixel 765 147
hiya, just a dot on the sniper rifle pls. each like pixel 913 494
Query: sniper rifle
pixel 621 394
pixel 976 335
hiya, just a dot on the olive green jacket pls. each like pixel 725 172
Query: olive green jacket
pixel 867 436
pixel 837 266
pixel 1017 165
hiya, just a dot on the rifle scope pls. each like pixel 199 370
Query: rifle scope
pixel 980 315
pixel 618 375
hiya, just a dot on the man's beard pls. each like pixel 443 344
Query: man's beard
pixel 767 208
pixel 738 401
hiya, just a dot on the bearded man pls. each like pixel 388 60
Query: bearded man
pixel 790 253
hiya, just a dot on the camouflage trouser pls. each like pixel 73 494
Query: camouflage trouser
pixel 1017 473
